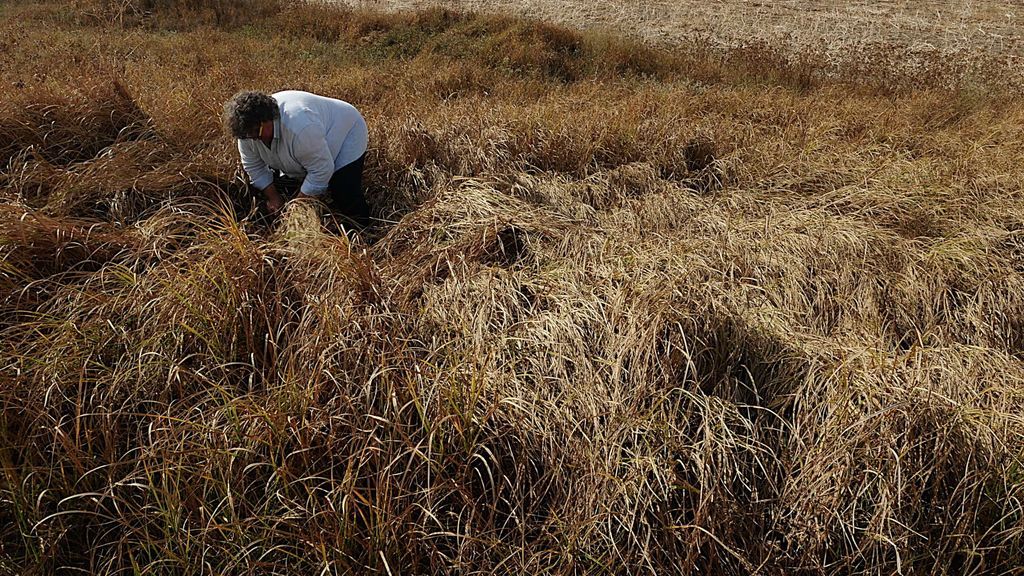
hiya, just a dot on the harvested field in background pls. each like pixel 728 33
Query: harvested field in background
pixel 626 308
pixel 843 29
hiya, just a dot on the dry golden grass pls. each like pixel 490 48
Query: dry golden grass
pixel 944 25
pixel 626 309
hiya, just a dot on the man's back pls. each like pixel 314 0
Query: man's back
pixel 344 129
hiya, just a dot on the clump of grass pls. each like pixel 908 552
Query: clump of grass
pixel 70 126
pixel 174 14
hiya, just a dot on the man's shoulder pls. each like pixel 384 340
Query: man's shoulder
pixel 288 99
pixel 288 96
pixel 291 101
pixel 295 111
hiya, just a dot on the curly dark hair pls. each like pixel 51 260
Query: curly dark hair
pixel 247 110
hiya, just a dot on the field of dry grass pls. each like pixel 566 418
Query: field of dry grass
pixel 995 26
pixel 911 33
pixel 626 308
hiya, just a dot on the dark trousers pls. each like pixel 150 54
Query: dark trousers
pixel 346 190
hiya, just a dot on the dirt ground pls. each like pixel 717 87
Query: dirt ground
pixel 993 26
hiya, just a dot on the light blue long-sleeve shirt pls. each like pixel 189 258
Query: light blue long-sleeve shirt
pixel 314 137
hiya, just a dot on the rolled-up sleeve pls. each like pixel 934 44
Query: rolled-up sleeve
pixel 312 152
pixel 258 171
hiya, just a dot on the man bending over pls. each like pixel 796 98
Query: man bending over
pixel 320 140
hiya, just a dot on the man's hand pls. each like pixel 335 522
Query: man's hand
pixel 274 200
pixel 274 204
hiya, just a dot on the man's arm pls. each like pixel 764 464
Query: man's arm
pixel 260 175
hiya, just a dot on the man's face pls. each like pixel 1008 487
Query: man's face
pixel 263 131
pixel 254 132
